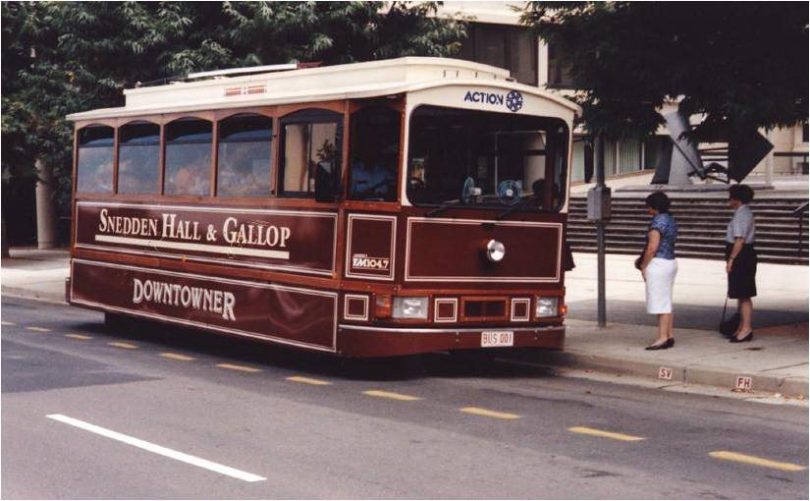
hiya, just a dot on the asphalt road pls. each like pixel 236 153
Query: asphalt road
pixel 90 412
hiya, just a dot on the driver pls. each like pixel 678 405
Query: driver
pixel 370 177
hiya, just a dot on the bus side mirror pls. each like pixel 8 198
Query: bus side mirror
pixel 326 185
pixel 588 161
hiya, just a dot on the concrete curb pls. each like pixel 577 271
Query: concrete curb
pixel 21 292
pixel 696 374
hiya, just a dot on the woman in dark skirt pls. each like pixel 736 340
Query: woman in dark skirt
pixel 741 259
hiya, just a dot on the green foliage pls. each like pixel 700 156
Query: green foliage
pixel 64 57
pixel 742 64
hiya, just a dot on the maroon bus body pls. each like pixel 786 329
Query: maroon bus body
pixel 316 275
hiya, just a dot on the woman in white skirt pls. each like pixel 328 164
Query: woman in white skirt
pixel 659 267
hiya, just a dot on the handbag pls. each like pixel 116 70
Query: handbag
pixel 728 327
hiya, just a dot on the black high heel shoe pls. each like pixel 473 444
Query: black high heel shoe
pixel 669 343
pixel 748 337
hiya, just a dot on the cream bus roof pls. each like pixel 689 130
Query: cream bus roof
pixel 347 81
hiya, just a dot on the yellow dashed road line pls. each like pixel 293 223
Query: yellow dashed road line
pixel 307 380
pixel 176 356
pixel 126 346
pixel 757 461
pixel 38 329
pixel 478 411
pixel 81 337
pixel 240 368
pixel 604 434
pixel 391 395
pixel 7 323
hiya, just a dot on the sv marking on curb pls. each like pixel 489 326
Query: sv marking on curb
pixel 757 461
pixel 157 449
pixel 584 430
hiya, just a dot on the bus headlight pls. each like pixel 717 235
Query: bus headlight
pixel 410 307
pixel 495 251
pixel 546 307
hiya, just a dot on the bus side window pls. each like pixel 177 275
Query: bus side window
pixel 311 141
pixel 188 157
pixel 374 154
pixel 139 158
pixel 95 162
pixel 244 159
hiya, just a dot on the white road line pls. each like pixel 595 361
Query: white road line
pixel 157 449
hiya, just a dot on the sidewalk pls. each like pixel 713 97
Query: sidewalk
pixel 776 361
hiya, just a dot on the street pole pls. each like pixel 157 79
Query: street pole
pixel 601 313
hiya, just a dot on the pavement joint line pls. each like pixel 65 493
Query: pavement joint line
pixel 157 449
pixel 584 430
pixel 240 368
pixel 391 395
pixel 38 329
pixel 308 380
pixel 479 411
pixel 757 461
pixel 81 337
pixel 126 346
pixel 176 356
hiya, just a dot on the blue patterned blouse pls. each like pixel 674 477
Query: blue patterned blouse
pixel 668 228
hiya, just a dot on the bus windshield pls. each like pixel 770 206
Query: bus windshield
pixel 486 159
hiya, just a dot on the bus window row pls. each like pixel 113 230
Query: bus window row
pixel 309 156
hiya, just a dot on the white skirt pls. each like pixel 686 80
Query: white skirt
pixel 660 279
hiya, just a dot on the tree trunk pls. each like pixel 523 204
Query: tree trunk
pixel 4 242
pixel 46 212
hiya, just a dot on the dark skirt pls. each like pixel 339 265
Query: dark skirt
pixel 742 279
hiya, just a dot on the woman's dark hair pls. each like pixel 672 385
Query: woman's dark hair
pixel 658 201
pixel 741 192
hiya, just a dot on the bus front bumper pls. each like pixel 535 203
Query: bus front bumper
pixel 371 341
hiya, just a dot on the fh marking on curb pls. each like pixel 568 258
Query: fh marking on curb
pixel 176 356
pixel 240 368
pixel 80 337
pixel 125 346
pixel 605 434
pixel 665 373
pixel 37 329
pixel 157 449
pixel 757 461
pixel 744 383
pixel 478 411
pixel 308 380
pixel 391 395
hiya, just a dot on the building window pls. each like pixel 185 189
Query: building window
pixel 139 158
pixel 511 47
pixel 629 155
pixel 244 160
pixel 559 68
pixel 188 157
pixel 311 142
pixel 95 162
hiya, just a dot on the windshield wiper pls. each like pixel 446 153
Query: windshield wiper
pixel 521 205
pixel 443 207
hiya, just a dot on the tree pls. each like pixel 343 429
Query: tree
pixel 743 65
pixel 64 57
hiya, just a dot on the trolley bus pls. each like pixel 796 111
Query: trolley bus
pixel 370 209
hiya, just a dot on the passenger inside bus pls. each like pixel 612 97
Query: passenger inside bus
pixel 374 154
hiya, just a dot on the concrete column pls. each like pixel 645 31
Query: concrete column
pixel 46 212
pixel 769 162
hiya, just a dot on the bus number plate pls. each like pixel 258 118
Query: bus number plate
pixel 491 339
